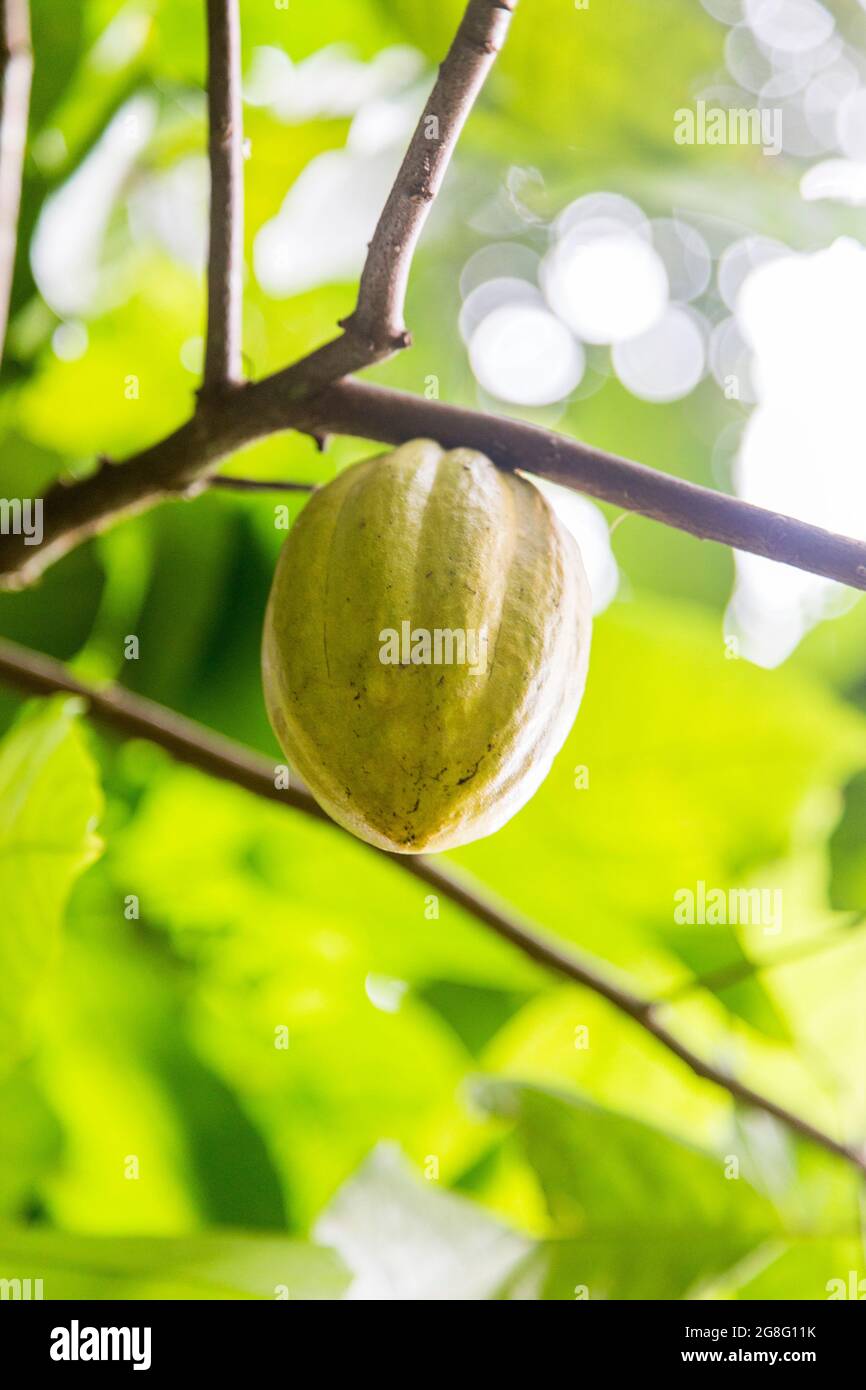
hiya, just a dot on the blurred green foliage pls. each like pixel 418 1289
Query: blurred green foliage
pixel 156 1138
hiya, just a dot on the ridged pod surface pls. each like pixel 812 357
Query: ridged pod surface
pixel 412 755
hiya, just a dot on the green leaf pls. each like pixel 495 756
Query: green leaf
pixel 225 1264
pixel 718 952
pixel 848 849
pixel 405 1241
pixel 49 803
pixel 679 746
pixel 58 38
pixel 128 1085
pixel 300 899
pixel 31 1142
pixel 129 387
pixel 635 1212
pixel 300 29
pixel 561 62
pixel 815 1269
pixel 476 1013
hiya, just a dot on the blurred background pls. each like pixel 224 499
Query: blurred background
pixel 242 1038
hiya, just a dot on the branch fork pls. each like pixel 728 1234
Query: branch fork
pixel 317 395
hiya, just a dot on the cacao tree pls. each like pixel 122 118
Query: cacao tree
pixel 356 358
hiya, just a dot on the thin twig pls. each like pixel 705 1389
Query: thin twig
pixel 188 742
pixel 16 70
pixel 739 970
pixel 379 314
pixel 222 366
pixel 376 328
pixel 231 484
pixel 179 465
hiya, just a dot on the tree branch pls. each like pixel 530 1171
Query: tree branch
pixel 179 466
pixel 16 70
pixel 222 366
pixel 376 328
pixel 300 397
pixel 393 417
pixel 226 420
pixel 188 742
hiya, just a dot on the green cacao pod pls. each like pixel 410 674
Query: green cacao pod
pixel 425 646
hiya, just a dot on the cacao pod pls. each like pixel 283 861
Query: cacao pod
pixel 425 646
